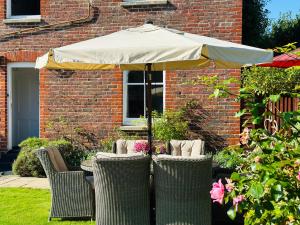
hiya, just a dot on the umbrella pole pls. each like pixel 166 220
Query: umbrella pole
pixel 149 105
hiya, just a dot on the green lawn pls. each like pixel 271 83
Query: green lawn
pixel 24 206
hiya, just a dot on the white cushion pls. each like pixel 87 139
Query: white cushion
pixel 126 146
pixel 187 147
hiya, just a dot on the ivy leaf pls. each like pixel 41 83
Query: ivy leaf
pixel 256 120
pixel 256 190
pixel 235 176
pixel 231 213
pixel 276 192
pixel 240 113
pixel 216 92
pixel 274 98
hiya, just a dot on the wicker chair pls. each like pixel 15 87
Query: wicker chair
pixel 122 190
pixel 72 196
pixel 186 147
pixel 182 186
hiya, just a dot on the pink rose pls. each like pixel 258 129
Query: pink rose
pixel 298 176
pixel 238 200
pixel 217 192
pixel 230 185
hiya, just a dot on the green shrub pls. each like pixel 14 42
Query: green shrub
pixel 230 157
pixel 28 164
pixel 107 144
pixel 170 125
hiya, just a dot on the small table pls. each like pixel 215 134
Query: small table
pixel 87 165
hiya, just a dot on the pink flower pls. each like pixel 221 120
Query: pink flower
pixel 245 136
pixel 298 176
pixel 217 192
pixel 238 200
pixel 141 146
pixel 230 185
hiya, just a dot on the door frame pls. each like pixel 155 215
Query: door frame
pixel 10 67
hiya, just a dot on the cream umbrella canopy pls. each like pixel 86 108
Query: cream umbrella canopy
pixel 151 48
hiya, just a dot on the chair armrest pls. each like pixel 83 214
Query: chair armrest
pixel 71 174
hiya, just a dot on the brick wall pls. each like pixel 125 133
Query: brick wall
pixel 94 99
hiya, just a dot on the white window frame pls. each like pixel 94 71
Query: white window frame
pixel 135 121
pixel 10 67
pixel 25 17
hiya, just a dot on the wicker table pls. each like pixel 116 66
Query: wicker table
pixel 87 165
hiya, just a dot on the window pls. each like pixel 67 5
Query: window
pixel 17 9
pixel 135 95
pixel 143 2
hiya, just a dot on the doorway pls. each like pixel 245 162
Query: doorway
pixel 23 100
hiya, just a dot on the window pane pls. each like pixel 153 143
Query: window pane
pixel 157 77
pixel 25 7
pixel 157 98
pixel 135 102
pixel 136 77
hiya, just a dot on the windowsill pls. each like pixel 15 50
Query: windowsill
pixel 133 128
pixel 144 2
pixel 20 19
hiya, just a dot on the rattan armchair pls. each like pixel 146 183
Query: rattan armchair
pixel 182 186
pixel 72 196
pixel 122 190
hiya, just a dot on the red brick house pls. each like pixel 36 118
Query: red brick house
pixel 102 101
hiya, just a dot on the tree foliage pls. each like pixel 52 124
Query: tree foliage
pixel 255 22
pixel 260 31
pixel 284 30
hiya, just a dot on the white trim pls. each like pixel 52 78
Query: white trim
pixel 10 67
pixel 20 17
pixel 138 121
pixel 144 2
pixel 33 19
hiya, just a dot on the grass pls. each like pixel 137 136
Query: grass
pixel 24 206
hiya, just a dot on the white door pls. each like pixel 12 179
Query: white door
pixel 25 104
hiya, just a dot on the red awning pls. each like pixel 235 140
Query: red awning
pixel 284 61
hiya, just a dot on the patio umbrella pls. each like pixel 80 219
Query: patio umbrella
pixel 151 48
pixel 285 60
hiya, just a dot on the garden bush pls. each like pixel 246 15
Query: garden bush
pixel 27 163
pixel 230 157
pixel 170 125
pixel 265 186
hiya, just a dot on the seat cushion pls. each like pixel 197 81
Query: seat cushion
pixel 126 146
pixel 57 160
pixel 187 147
